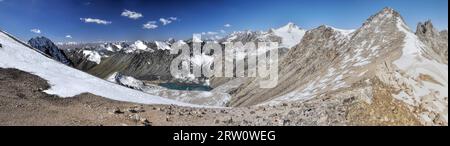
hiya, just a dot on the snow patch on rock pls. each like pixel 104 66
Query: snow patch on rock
pixel 92 56
pixel 162 45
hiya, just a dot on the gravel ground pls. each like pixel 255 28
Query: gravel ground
pixel 22 102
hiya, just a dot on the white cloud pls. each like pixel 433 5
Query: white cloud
pixel 35 30
pixel 212 33
pixel 223 31
pixel 93 20
pixel 150 25
pixel 165 21
pixel 173 18
pixel 227 25
pixel 68 36
pixel 131 14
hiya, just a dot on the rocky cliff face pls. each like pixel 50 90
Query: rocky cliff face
pixel 46 46
pixel 382 64
pixel 437 41
pixel 144 66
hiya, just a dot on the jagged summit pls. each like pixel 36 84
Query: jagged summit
pixel 437 41
pixel 290 34
pixel 426 28
pixel 387 14
pixel 388 11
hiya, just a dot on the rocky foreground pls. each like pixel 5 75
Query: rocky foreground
pixel 22 102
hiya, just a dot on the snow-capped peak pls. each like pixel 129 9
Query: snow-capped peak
pixel 387 14
pixel 289 27
pixel 140 45
pixel 93 56
pixel 290 34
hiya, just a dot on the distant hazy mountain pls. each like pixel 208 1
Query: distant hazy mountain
pixel 287 36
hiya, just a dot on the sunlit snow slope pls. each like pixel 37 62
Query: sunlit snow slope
pixel 66 81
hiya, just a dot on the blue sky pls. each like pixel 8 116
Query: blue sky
pixel 57 19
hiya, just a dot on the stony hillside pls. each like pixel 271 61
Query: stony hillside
pixel 383 59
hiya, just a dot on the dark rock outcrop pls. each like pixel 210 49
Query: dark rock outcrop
pixel 46 46
pixel 437 41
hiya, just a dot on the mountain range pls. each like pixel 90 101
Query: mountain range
pixel 381 73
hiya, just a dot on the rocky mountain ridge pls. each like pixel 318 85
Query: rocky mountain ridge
pixel 382 54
